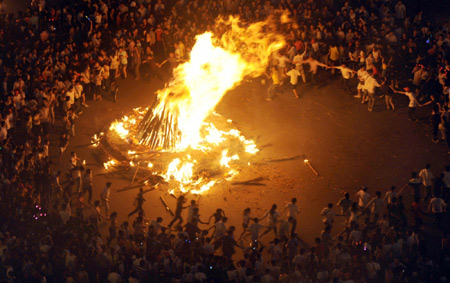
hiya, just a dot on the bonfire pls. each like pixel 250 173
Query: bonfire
pixel 204 148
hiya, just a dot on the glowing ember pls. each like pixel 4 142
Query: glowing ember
pixel 119 128
pixel 109 164
pixel 95 140
pixel 225 160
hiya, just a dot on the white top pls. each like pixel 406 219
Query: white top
pixel 328 215
pixel 346 72
pixel 426 177
pixel 282 61
pixel 292 210
pixel 293 74
pixel 412 99
pixel 298 60
pixel 362 198
pixel 371 84
pixel 106 192
pixel 389 196
pixel 221 230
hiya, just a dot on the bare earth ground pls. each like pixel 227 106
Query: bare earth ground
pixel 348 146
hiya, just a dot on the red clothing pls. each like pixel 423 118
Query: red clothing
pixel 158 34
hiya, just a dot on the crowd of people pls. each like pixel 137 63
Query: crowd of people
pixel 55 60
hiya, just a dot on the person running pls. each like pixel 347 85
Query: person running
pixel 178 210
pixel 104 196
pixel 413 103
pixel 292 213
pixel 345 203
pixel 362 75
pixel 328 215
pixel 347 74
pixel 273 215
pixel 313 68
pixel 293 74
pixel 370 85
pixel 218 215
pixel 245 222
pixel 275 87
pixel 388 91
pixel 139 201
pixel 254 229
pixel 298 62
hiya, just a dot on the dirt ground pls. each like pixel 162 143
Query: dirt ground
pixel 345 143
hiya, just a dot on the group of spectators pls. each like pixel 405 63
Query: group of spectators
pixel 54 60
pixel 380 46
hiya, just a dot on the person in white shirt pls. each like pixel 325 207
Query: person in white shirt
pixel 390 195
pixel 114 66
pixel 413 103
pixel 292 213
pixel 370 85
pixel 220 229
pixel 245 222
pixel 362 197
pixel 426 178
pixel 273 215
pixel 414 183
pixel 328 215
pixel 254 231
pixel 437 207
pixel 313 67
pixel 298 62
pixel 105 197
pixel 293 74
pixel 191 211
pixel 362 75
pixel 377 206
pixel 347 74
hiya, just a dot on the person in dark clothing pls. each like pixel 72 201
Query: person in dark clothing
pixel 139 201
pixel 178 210
pixel 435 121
pixel 228 243
pixel 447 131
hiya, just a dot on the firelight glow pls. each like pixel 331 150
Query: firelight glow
pixel 218 62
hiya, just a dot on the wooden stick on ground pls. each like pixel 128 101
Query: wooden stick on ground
pixel 310 166
pixel 135 172
pixel 166 206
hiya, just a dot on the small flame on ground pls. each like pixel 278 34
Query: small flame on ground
pixel 109 164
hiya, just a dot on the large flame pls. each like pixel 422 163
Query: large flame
pixel 217 64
